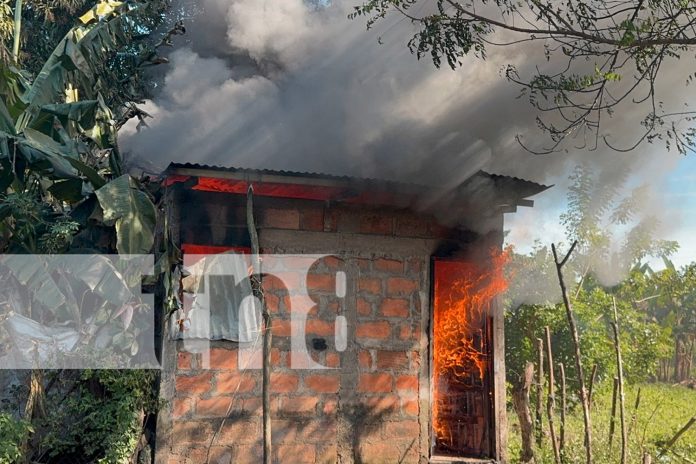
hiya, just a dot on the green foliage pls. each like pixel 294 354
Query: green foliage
pixel 13 432
pixel 102 417
pixel 58 135
pixel 614 39
pixel 663 410
pixel 132 213
pixel 643 341
pixel 594 211
pixel 62 187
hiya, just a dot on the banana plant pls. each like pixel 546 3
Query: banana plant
pixel 58 135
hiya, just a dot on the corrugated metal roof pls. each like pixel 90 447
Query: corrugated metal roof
pixel 523 187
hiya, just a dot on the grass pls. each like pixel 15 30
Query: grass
pixel 663 410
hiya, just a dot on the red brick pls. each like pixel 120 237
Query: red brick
pixel 327 453
pixel 218 406
pixel 376 224
pixel 332 360
pixel 284 280
pixel 394 307
pixel 194 383
pixel 284 383
pixel 333 307
pixel 407 383
pixel 218 454
pixel 363 263
pixel 298 404
pixel 181 407
pixel 312 219
pixel 392 360
pixel 389 265
pixel 223 359
pixel 410 226
pixel 401 429
pixel 333 262
pixel 319 327
pixel 382 404
pixel 438 230
pixel 183 361
pixel 245 454
pixel 277 358
pixel 322 383
pixel 329 407
pixel 251 405
pixel 401 286
pixel 370 285
pixel 272 303
pixel 365 359
pixel 364 307
pixel 286 304
pixel 190 455
pixel 312 430
pixel 377 330
pixel 409 332
pixel 280 218
pixel 234 432
pixel 281 327
pixel 300 454
pixel 191 432
pixel 410 407
pixel 321 283
pixel 379 452
pixel 235 382
pixel 375 383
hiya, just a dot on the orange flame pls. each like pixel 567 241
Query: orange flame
pixel 462 300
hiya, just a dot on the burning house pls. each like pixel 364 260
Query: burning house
pixel 399 356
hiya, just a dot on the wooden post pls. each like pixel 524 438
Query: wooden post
pixel 634 416
pixel 551 398
pixel 520 400
pixel 619 368
pixel 257 290
pixel 612 420
pixel 676 436
pixel 576 344
pixel 593 376
pixel 538 419
pixel 561 445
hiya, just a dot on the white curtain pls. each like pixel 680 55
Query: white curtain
pixel 223 307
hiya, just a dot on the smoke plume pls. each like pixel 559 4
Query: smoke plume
pixel 293 84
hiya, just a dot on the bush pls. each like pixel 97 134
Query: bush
pixel 13 433
pixel 101 419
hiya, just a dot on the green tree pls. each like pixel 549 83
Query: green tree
pixel 595 56
pixel 668 297
pixel 63 189
pixel 595 277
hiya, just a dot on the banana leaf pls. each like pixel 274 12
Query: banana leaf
pixel 6 121
pixel 67 190
pixel 77 57
pixel 132 213
pixel 35 273
pixel 51 164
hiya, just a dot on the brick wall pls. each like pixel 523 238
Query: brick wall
pixel 371 407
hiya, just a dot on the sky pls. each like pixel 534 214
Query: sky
pixel 295 85
pixel 676 192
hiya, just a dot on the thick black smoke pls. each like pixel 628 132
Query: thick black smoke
pixel 291 84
